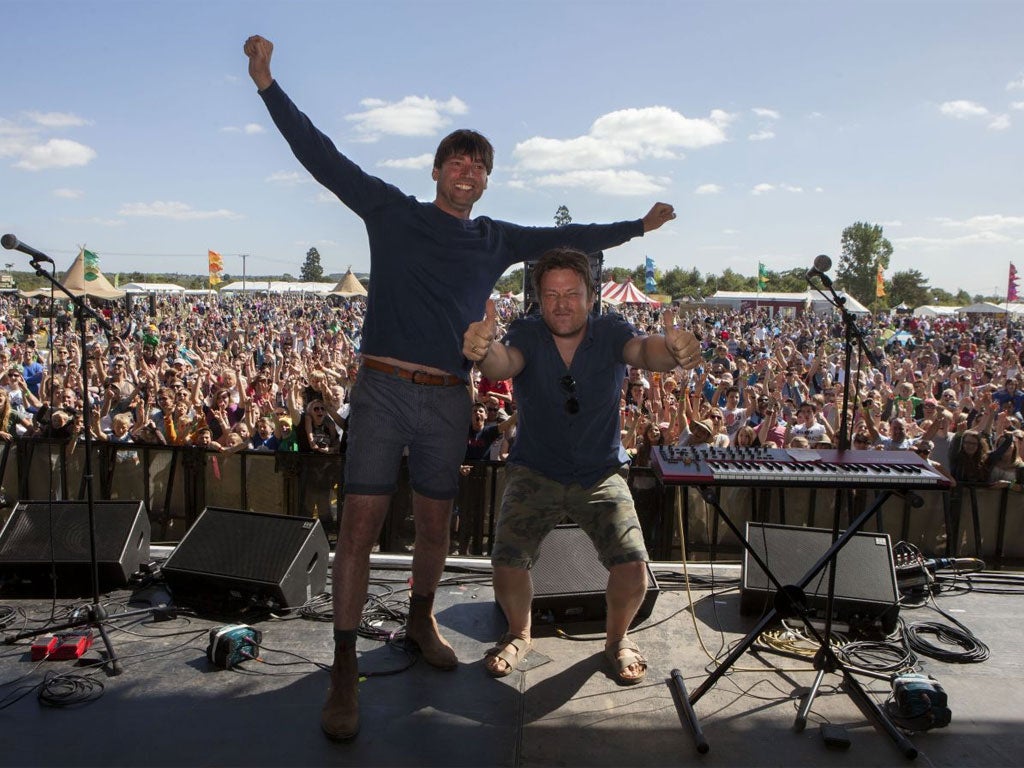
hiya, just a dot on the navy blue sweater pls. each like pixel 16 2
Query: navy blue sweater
pixel 430 273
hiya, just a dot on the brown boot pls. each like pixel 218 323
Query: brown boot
pixel 421 628
pixel 339 717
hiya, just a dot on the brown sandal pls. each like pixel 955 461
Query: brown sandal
pixel 621 663
pixel 510 649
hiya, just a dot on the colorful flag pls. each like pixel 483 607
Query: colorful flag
pixel 649 284
pixel 216 267
pixel 90 265
pixel 1011 285
pixel 880 282
pixel 762 277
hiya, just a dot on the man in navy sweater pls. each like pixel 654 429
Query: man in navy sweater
pixel 432 268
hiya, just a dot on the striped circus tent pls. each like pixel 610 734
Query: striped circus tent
pixel 624 293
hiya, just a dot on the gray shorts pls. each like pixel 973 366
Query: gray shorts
pixel 533 505
pixel 389 414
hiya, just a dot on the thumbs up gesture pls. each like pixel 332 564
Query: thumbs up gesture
pixel 476 341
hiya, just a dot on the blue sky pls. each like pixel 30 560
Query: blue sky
pixel 133 127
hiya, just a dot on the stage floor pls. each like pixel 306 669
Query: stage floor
pixel 171 707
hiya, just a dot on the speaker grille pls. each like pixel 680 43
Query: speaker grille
pixel 569 580
pixel 28 537
pixel 27 549
pixel 232 560
pixel 865 575
pixel 244 545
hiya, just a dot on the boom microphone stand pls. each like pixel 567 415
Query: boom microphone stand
pixel 96 614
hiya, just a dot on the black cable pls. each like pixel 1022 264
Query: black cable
pixel 69 690
pixel 974 650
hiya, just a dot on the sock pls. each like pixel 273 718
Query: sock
pixel 344 638
pixel 421 599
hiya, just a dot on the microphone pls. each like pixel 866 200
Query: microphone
pixel 822 264
pixel 11 243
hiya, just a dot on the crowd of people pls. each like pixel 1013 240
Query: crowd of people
pixel 266 373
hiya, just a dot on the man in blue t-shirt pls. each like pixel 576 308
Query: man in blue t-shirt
pixel 432 268
pixel 568 460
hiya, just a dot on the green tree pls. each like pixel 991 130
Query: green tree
pixel 908 287
pixel 962 298
pixel 510 283
pixel 941 297
pixel 562 216
pixel 864 249
pixel 311 271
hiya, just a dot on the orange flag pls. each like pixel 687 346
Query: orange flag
pixel 216 267
pixel 879 283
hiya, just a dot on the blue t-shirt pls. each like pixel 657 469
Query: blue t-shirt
pixel 430 272
pixel 570 448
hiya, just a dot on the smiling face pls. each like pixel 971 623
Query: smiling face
pixel 461 181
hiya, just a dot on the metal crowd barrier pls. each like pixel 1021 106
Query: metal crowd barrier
pixel 178 482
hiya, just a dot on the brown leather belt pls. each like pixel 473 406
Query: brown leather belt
pixel 422 378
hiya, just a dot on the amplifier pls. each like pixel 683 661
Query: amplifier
pixel 865 590
pixel 569 581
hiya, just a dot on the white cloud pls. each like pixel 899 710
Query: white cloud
pixel 992 222
pixel 770 114
pixel 790 188
pixel 1016 85
pixel 250 129
pixel 763 188
pixel 289 178
pixel 412 116
pixel 57 119
pixel 417 163
pixel 962 109
pixel 609 182
pixel 623 138
pixel 999 123
pixel 68 194
pixel 174 210
pixel 708 189
pixel 1017 105
pixel 763 135
pixel 56 153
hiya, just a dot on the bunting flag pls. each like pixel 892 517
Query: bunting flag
pixel 649 284
pixel 1011 285
pixel 762 277
pixel 216 267
pixel 90 265
pixel 880 282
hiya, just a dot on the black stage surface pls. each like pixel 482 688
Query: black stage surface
pixel 171 707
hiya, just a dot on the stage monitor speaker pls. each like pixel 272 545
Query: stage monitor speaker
pixel 231 561
pixel 531 301
pixel 865 590
pixel 569 581
pixel 32 562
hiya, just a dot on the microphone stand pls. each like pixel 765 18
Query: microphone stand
pixel 96 613
pixel 825 660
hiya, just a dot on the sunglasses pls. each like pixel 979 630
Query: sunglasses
pixel 568 386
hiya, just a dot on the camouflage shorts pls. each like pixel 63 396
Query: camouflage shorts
pixel 533 505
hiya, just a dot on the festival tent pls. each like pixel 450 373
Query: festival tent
pixel 74 280
pixel 153 288
pixel 983 308
pixel 932 310
pixel 277 286
pixel 624 293
pixel 349 286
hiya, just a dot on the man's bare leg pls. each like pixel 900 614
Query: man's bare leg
pixel 432 518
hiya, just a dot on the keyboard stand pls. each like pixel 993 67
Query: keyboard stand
pixel 789 601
